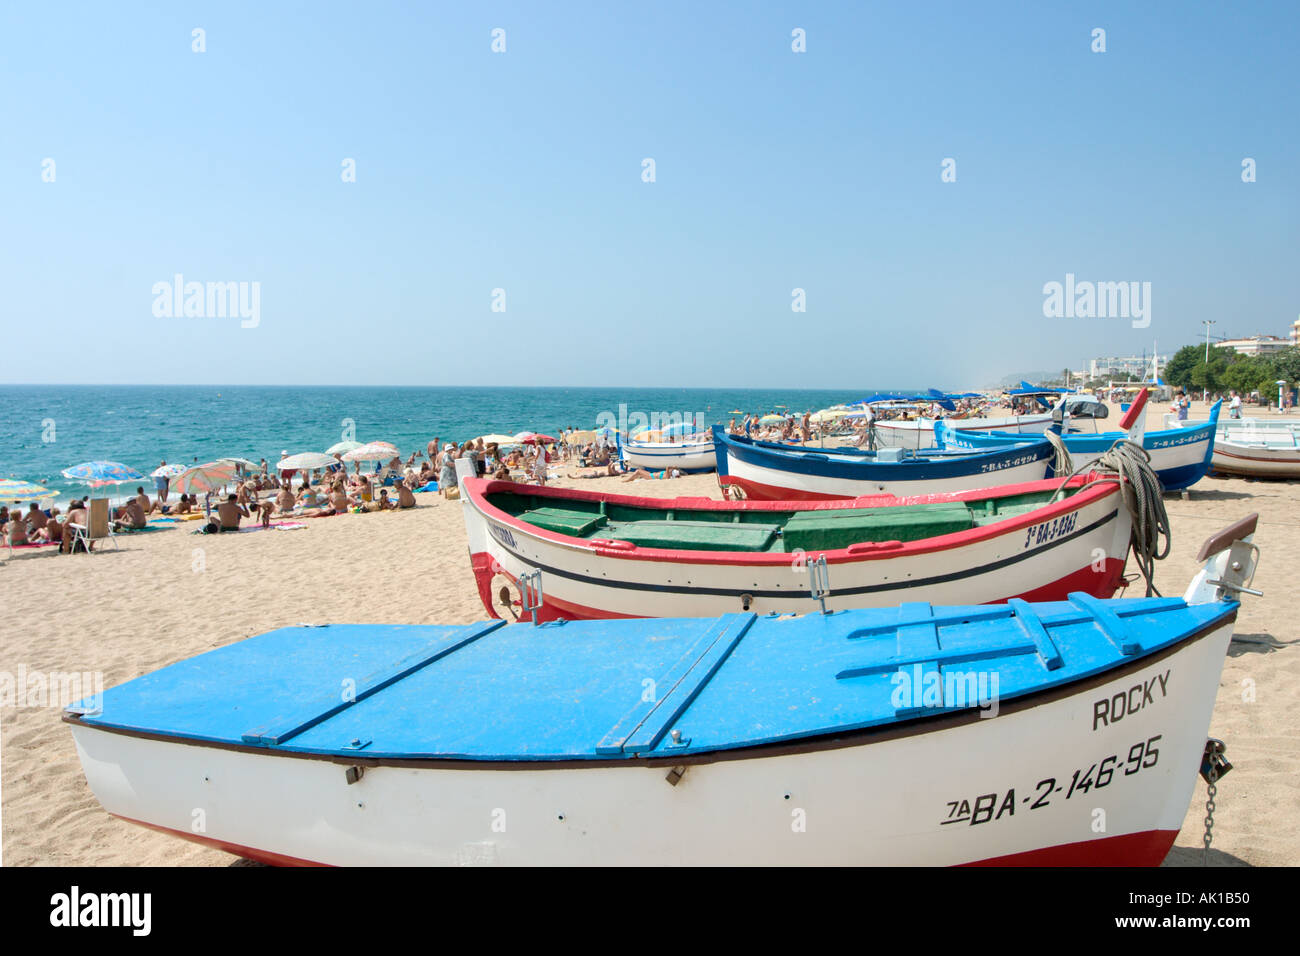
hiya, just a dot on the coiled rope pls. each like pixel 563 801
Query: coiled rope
pixel 1062 464
pixel 1130 464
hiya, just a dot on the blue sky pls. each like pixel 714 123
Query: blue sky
pixel 522 170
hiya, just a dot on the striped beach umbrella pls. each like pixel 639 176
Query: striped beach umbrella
pixel 373 451
pixel 307 461
pixel 100 473
pixel 203 479
pixel 13 490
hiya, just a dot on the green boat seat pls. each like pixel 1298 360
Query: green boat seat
pixel 578 524
pixel 832 529
pixel 696 535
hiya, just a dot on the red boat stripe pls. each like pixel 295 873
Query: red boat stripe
pixel 477 488
pixel 837 558
pixel 1085 579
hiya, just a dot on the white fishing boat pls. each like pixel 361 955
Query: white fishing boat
pixel 1062 733
pixel 918 433
pixel 689 453
pixel 1252 448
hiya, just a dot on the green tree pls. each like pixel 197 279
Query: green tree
pixel 1209 375
pixel 1179 370
pixel 1245 372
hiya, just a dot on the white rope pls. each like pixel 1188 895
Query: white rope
pixel 1130 464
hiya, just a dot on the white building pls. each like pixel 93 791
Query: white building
pixel 1257 344
pixel 1139 366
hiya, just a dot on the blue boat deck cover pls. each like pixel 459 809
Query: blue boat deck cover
pixel 610 690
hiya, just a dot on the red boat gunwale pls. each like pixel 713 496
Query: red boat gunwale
pixel 477 490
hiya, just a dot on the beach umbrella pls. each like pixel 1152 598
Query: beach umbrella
pixel 499 439
pixel 99 473
pixel 203 479
pixel 679 428
pixel 244 462
pixel 14 490
pixel 167 471
pixel 373 451
pixel 306 461
pixel 771 419
pixel 532 438
pixel 581 438
pixel 341 448
pixel 827 415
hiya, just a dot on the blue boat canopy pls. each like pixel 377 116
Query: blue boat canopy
pixel 616 690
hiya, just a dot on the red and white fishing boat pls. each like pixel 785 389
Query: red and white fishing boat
pixel 608 556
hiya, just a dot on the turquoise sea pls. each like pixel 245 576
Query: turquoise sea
pixel 46 428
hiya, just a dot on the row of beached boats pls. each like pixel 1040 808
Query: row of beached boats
pixel 1181 452
pixel 894 658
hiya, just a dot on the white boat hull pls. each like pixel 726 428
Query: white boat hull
pixel 1017 558
pixel 958 791
pixel 919 433
pixel 662 456
pixel 773 484
pixel 1257 459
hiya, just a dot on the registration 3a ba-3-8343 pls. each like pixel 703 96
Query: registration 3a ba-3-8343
pixel 1050 530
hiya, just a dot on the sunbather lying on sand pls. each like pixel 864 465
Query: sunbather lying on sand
pixel 612 470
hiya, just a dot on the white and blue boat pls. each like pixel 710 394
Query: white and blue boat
pixel 770 471
pixel 909 735
pixel 1180 457
pixel 687 453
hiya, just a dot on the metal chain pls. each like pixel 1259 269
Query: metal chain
pixel 1209 816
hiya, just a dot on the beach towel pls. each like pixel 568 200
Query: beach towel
pixel 431 486
pixel 273 526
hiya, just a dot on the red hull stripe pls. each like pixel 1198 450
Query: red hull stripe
pixel 1148 848
pixel 1133 849
pixel 236 849
pixel 477 489
pixel 1101 585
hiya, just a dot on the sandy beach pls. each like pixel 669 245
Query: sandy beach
pixel 168 595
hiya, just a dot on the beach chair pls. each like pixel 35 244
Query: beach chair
pixel 98 525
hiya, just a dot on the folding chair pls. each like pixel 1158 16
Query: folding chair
pixel 98 526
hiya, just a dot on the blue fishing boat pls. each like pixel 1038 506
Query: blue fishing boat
pixel 773 471
pixel 914 734
pixel 1180 457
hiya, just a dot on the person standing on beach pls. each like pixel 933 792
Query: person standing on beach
pixel 1234 407
pixel 447 475
pixel 161 483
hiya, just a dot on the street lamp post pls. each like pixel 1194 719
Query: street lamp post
pixel 1207 322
